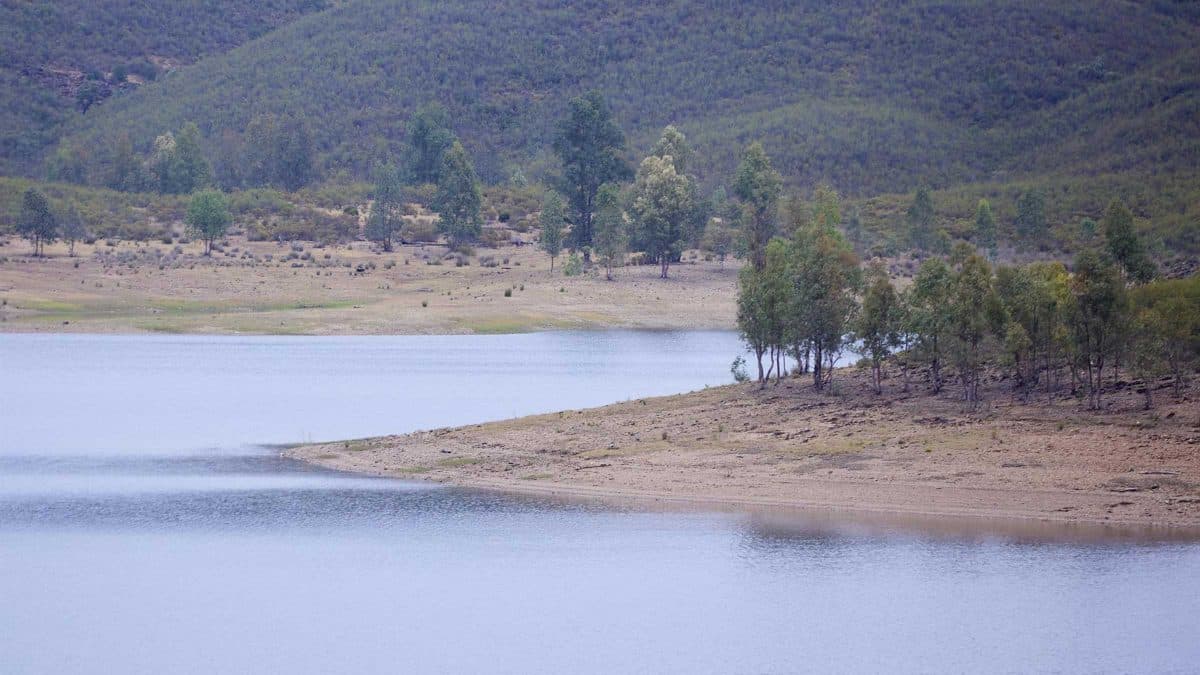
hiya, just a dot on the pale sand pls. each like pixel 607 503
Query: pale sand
pixel 788 446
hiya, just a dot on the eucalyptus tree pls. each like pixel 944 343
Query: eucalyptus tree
pixel 458 199
pixel 589 144
pixel 208 217
pixel 551 221
pixel 662 202
pixel 36 222
pixel 758 185
pixel 610 237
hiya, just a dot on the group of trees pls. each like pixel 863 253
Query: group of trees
pixel 439 159
pixel 662 211
pixel 808 299
pixel 208 217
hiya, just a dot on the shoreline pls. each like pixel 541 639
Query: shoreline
pixel 901 456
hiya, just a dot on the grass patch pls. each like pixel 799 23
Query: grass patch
pixel 459 461
pixel 413 469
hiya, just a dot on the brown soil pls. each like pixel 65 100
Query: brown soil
pixel 127 288
pixel 787 445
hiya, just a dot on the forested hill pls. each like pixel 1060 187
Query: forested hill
pixel 872 99
pixel 58 56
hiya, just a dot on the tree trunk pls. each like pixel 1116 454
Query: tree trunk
pixel 551 264
pixel 758 354
pixel 818 383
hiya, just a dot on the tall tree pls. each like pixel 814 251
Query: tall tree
pixel 187 169
pixel 1098 313
pixel 37 222
pixel 878 325
pixel 589 144
pixel 920 220
pixel 458 199
pixel 1123 244
pixel 662 202
pixel 985 228
pixel 551 221
pixel 672 143
pixel 1031 215
pixel 125 170
pixel 610 235
pixel 826 277
pixel 758 185
pixel 930 315
pixel 73 228
pixel 208 217
pixel 975 316
pixel 430 136
pixel 386 216
pixel 68 164
pixel 259 162
pixel 294 160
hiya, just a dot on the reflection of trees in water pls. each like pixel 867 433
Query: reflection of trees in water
pixel 824 541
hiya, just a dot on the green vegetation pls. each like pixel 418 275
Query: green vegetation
pixel 551 221
pixel 61 57
pixel 1033 322
pixel 208 217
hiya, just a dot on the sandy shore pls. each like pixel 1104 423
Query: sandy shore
pixel 788 446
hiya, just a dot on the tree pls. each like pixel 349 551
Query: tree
pixel 125 170
pixel 37 222
pixel 758 185
pixel 1031 215
pixel 430 136
pixel 258 165
pixel 674 144
pixel 753 313
pixel 589 144
pixel 985 228
pixel 73 228
pixel 458 199
pixel 551 220
pixel 853 229
pixel 825 279
pixel 878 325
pixel 610 237
pixel 386 219
pixel 929 313
pixel 718 238
pixel 208 217
pixel 920 220
pixel 975 314
pixel 662 201
pixel 763 303
pixel 293 156
pixel 186 170
pixel 68 164
pixel 1099 304
pixel 1123 244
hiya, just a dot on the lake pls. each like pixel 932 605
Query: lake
pixel 148 526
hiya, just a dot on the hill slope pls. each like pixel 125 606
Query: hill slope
pixel 872 99
pixel 49 49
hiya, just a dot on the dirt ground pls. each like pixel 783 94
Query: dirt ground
pixel 788 445
pixel 158 287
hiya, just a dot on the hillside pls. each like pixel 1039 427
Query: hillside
pixel 871 99
pixel 49 51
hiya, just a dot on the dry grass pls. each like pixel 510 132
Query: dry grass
pixel 122 289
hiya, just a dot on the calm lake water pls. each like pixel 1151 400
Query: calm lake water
pixel 145 528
